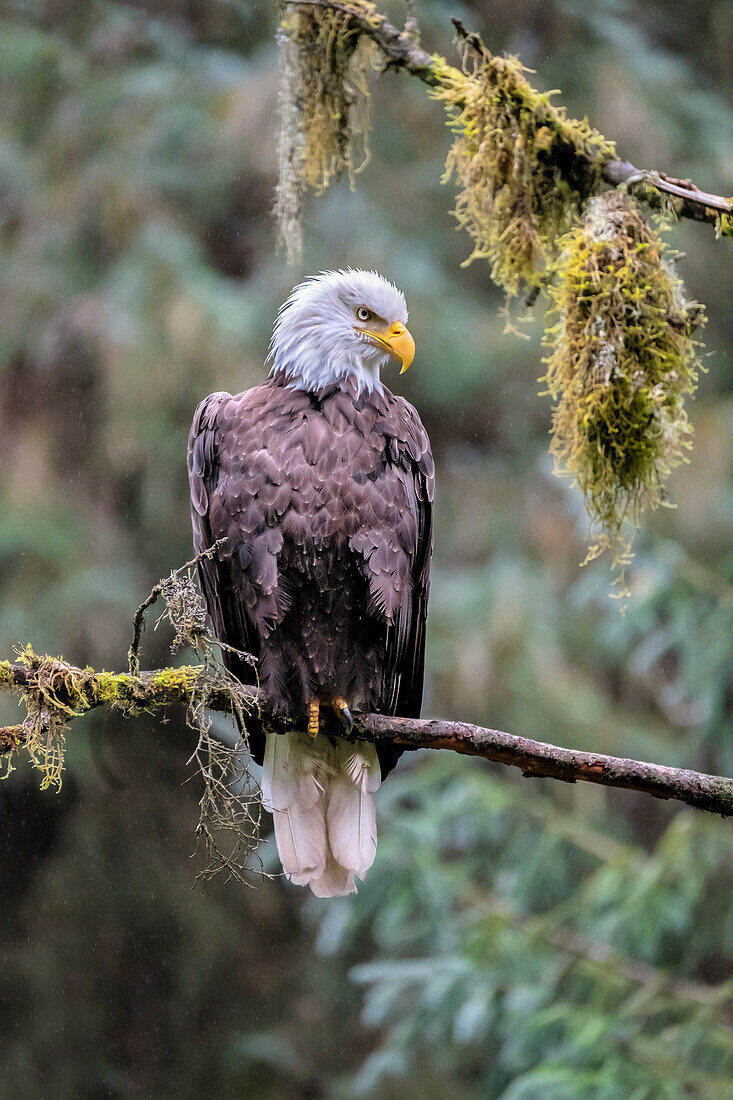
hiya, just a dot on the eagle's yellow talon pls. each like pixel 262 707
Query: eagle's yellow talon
pixel 341 709
pixel 314 708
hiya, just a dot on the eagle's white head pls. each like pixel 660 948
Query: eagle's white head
pixel 338 325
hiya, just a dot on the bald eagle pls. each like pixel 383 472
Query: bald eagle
pixel 322 482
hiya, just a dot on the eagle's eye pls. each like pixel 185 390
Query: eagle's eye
pixel 364 314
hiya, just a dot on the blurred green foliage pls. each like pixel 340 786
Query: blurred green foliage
pixel 515 938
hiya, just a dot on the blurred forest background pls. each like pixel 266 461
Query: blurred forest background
pixel 522 939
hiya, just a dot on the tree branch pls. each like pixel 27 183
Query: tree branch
pixel 79 690
pixel 401 51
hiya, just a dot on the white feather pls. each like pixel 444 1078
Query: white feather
pixel 334 882
pixel 321 795
pixel 350 816
pixel 293 791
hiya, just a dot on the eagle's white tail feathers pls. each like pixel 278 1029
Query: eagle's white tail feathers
pixel 321 795
pixel 352 827
pixel 292 789
pixel 334 882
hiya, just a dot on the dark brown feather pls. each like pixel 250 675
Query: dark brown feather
pixel 326 503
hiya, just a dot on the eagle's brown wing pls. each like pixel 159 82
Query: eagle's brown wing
pixel 228 614
pixel 406 637
pixel 410 463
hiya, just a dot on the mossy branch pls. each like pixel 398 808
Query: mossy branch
pixel 78 690
pixel 400 50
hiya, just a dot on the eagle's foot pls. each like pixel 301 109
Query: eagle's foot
pixel 314 714
pixel 340 708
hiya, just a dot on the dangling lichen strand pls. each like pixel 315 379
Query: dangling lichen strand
pixel 324 106
pixel 622 357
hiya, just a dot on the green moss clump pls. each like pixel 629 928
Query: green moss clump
pixel 523 169
pixel 622 358
pixel 61 692
pixel 724 225
pixel 324 106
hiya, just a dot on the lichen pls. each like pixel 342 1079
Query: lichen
pixel 622 358
pixel 184 611
pixel 724 225
pixel 324 106
pixel 523 169
pixel 229 806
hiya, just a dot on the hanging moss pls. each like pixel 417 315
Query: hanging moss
pixel 523 169
pixel 56 699
pixel 622 359
pixel 324 106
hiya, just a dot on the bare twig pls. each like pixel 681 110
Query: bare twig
pixel 412 26
pixel 602 955
pixel 402 51
pixel 154 691
pixel 138 623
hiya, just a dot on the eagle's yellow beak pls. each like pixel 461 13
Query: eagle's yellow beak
pixel 397 341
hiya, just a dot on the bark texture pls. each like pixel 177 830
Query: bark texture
pixel 84 689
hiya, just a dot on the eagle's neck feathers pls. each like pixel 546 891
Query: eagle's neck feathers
pixel 307 360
